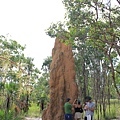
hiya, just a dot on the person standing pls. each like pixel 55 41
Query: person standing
pixel 68 110
pixel 89 108
pixel 78 109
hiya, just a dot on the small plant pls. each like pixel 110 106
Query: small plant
pixel 8 115
pixel 111 114
pixel 34 111
pixel 1 114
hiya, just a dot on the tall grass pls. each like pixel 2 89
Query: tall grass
pixel 9 115
pixel 113 113
pixel 34 111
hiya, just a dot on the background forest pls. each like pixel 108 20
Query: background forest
pixel 92 28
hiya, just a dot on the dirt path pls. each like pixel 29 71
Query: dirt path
pixel 118 118
pixel 27 118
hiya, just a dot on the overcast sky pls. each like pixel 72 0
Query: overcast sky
pixel 26 21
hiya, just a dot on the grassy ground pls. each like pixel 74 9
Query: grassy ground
pixel 116 106
pixel 114 111
pixel 34 111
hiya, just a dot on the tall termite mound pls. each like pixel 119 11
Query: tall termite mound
pixel 62 81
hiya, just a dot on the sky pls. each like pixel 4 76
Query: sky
pixel 26 21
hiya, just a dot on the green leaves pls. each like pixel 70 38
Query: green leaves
pixel 16 70
pixel 55 30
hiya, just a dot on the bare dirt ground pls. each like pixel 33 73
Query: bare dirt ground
pixel 28 118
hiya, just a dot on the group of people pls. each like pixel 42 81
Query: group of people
pixel 75 110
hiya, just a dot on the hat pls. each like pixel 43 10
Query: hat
pixel 87 98
pixel 68 99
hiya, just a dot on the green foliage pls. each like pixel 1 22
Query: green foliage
pixel 34 110
pixel 11 87
pixel 56 30
pixel 42 88
pixel 16 72
pixel 1 114
pixel 93 30
pixel 111 113
pixel 8 116
pixel 46 64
